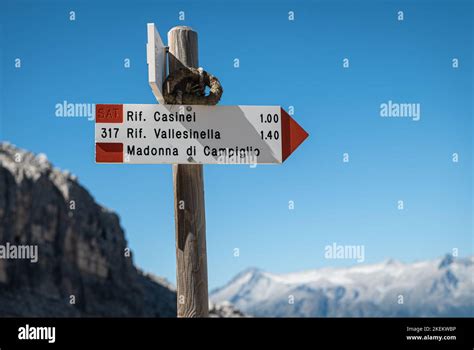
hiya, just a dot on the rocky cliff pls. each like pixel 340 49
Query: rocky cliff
pixel 83 265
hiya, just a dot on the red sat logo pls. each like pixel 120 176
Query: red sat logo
pixel 108 113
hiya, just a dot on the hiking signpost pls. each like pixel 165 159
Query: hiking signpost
pixel 195 134
pixel 188 136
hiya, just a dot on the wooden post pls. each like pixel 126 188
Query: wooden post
pixel 190 219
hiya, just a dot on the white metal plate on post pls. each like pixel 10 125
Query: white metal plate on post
pixel 156 60
pixel 175 134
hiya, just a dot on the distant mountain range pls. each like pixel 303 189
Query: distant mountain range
pixel 439 287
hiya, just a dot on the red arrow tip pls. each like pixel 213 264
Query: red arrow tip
pixel 292 135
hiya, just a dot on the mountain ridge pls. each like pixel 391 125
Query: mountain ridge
pixel 437 287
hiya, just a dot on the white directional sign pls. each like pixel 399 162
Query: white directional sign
pixel 156 59
pixel 155 134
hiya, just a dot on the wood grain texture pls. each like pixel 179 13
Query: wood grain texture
pixel 190 219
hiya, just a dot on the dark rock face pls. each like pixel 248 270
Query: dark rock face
pixel 83 266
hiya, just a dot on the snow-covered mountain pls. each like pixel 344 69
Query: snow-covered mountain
pixel 440 287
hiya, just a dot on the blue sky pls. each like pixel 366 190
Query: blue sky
pixel 289 63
